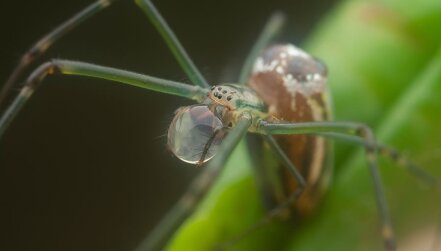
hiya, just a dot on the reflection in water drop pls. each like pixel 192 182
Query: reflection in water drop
pixel 190 131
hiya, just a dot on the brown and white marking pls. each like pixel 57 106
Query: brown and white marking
pixel 292 84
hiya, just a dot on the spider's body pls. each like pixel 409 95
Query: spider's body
pixel 286 85
pixel 286 103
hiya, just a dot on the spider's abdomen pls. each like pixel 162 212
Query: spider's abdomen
pixel 292 84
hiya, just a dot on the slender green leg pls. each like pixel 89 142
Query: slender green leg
pixel 285 160
pixel 95 71
pixel 271 29
pixel 392 154
pixel 295 173
pixel 352 129
pixel 383 150
pixel 198 188
pixel 266 186
pixel 173 43
pixel 273 213
pixel 42 45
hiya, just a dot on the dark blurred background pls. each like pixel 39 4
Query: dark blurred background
pixel 85 165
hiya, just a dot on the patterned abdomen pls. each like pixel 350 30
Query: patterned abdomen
pixel 292 84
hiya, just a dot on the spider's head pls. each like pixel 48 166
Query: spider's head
pixel 225 95
pixel 197 131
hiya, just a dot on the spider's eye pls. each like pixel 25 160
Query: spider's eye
pixel 195 134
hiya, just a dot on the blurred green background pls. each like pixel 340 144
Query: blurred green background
pixel 85 165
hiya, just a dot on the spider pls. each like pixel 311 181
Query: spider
pixel 207 150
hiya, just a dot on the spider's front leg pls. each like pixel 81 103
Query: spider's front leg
pixel 90 70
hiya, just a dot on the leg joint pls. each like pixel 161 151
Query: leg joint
pixel 48 68
pixel 366 133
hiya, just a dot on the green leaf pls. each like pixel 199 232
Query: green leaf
pixel 385 70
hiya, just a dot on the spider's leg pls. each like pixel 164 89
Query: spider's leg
pixel 198 188
pixel 394 155
pixel 173 43
pixel 44 43
pixel 272 28
pixel 350 128
pixel 279 209
pixel 95 71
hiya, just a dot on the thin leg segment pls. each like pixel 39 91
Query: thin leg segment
pixel 346 128
pixel 271 29
pixel 95 71
pixel 198 188
pixel 392 154
pixel 275 212
pixel 173 43
pixel 285 160
pixel 42 45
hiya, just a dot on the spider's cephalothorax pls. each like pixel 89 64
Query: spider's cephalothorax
pixel 197 131
pixel 235 97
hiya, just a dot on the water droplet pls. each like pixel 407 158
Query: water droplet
pixel 190 132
